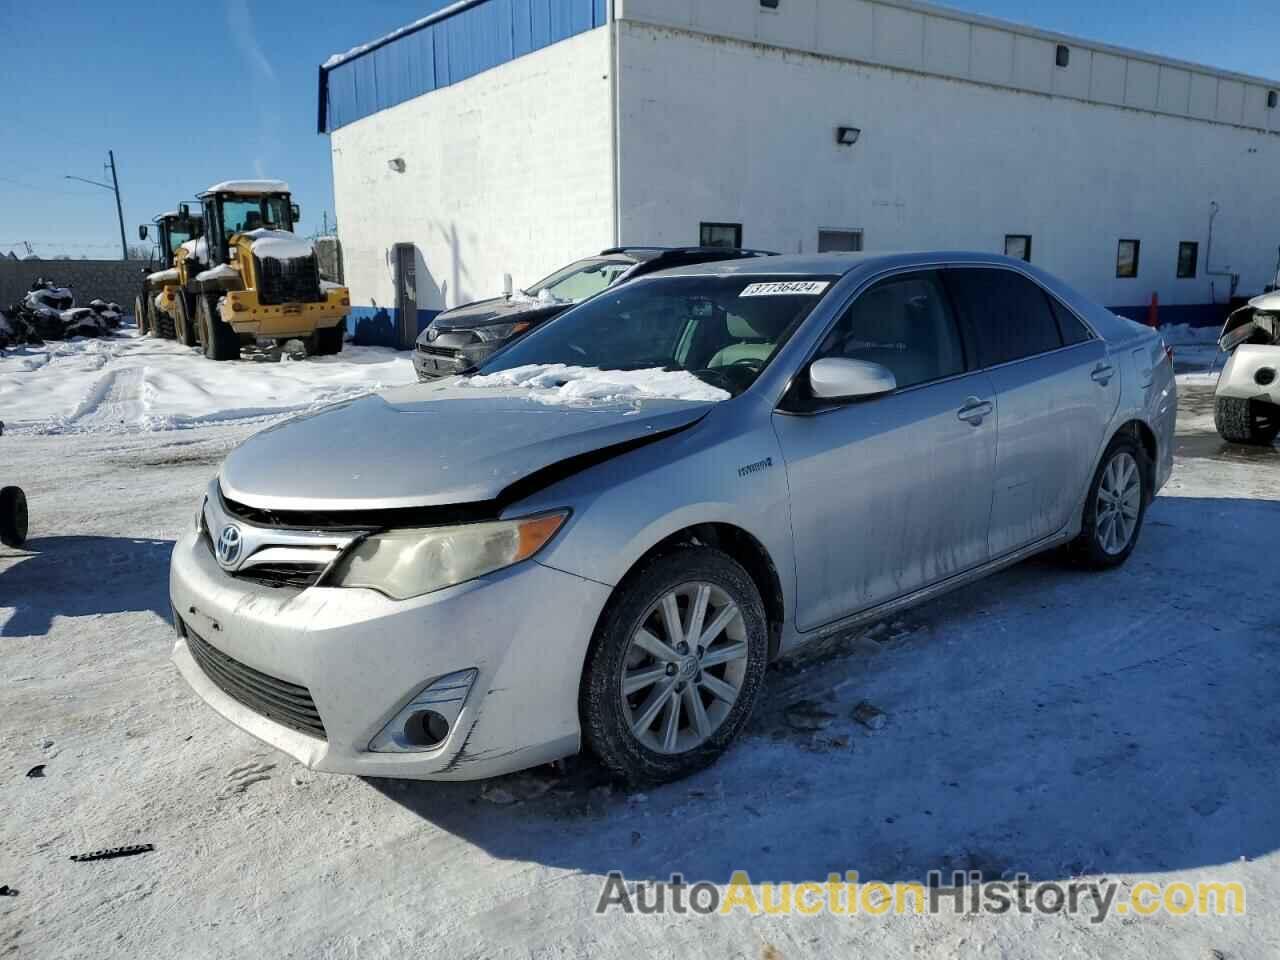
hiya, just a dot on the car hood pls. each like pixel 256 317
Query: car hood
pixel 430 445
pixel 497 310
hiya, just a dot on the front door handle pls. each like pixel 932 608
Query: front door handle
pixel 974 410
pixel 1103 373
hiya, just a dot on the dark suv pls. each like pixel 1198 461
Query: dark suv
pixel 460 338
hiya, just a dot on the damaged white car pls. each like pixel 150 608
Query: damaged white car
pixel 601 539
pixel 1247 400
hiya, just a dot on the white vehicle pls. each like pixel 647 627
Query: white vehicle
pixel 1247 400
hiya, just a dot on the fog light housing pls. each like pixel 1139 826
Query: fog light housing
pixel 1264 376
pixel 424 723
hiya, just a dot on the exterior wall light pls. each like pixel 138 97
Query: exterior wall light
pixel 847 136
pixel 396 164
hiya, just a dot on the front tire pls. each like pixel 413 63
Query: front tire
pixel 183 324
pixel 1116 506
pixel 1254 422
pixel 13 516
pixel 675 666
pixel 220 341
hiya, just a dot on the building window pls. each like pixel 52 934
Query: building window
pixel 1272 99
pixel 1063 56
pixel 1018 246
pixel 1127 258
pixel 769 4
pixel 839 241
pixel 720 234
pixel 1188 258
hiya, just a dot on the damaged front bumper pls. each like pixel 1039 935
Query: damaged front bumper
pixel 342 665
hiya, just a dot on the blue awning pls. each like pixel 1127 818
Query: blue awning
pixel 460 41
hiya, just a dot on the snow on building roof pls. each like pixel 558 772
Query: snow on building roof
pixel 339 58
pixel 249 186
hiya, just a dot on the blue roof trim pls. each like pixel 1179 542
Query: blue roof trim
pixel 458 42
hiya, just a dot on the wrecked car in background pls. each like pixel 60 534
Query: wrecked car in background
pixel 1246 405
pixel 601 538
pixel 465 336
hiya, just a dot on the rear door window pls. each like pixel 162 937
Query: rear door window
pixel 1009 316
pixel 1069 325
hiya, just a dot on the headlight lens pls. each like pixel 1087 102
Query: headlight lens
pixel 501 331
pixel 409 563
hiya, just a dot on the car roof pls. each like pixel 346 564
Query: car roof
pixel 839 264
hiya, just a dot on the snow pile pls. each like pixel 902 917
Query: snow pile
pixel 278 245
pixel 1183 333
pixel 558 383
pixel 197 249
pixel 223 271
pixel 545 297
pixel 163 276
pixel 131 384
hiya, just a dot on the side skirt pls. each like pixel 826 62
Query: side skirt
pixel 924 594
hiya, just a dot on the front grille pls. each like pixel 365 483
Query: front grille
pixel 300 575
pixel 359 520
pixel 286 703
pixel 435 351
pixel 288 281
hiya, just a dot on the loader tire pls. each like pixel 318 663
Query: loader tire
pixel 1254 422
pixel 141 316
pixel 184 324
pixel 13 516
pixel 163 326
pixel 326 341
pixel 220 341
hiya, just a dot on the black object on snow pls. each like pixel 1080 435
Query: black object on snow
pixel 36 771
pixel 112 852
pixel 7 891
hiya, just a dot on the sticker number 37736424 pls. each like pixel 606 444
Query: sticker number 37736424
pixel 785 288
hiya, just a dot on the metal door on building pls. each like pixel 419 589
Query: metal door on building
pixel 406 295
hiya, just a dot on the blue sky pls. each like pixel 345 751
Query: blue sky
pixel 184 109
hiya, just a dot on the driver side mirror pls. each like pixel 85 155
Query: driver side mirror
pixel 184 211
pixel 295 212
pixel 142 231
pixel 841 379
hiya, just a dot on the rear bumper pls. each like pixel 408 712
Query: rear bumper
pixel 363 656
pixel 246 315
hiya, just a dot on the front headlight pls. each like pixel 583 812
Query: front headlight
pixel 409 563
pixel 501 331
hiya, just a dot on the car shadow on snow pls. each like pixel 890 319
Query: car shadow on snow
pixel 1046 720
pixel 80 577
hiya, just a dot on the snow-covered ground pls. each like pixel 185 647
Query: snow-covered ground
pixel 1119 725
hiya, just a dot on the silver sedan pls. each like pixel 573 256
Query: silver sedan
pixel 601 538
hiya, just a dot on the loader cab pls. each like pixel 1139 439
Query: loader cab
pixel 173 230
pixel 230 211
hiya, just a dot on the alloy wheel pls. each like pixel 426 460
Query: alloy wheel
pixel 1118 504
pixel 684 668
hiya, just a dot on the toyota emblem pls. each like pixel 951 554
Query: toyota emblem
pixel 229 545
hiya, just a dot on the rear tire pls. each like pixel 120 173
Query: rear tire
pixel 326 341
pixel 1254 422
pixel 184 327
pixel 220 341
pixel 141 316
pixel 1115 508
pixel 13 516
pixel 656 704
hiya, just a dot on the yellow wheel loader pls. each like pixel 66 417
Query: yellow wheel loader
pixel 171 232
pixel 250 277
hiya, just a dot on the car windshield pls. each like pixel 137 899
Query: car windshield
pixel 579 280
pixel 722 330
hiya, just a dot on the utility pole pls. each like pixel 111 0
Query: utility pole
pixel 114 187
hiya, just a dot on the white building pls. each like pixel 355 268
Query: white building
pixel 513 136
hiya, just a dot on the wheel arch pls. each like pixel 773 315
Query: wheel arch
pixel 745 549
pixel 1141 432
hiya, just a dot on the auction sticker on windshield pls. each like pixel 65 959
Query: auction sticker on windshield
pixel 785 288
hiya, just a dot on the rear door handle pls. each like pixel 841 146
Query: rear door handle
pixel 974 410
pixel 1103 373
